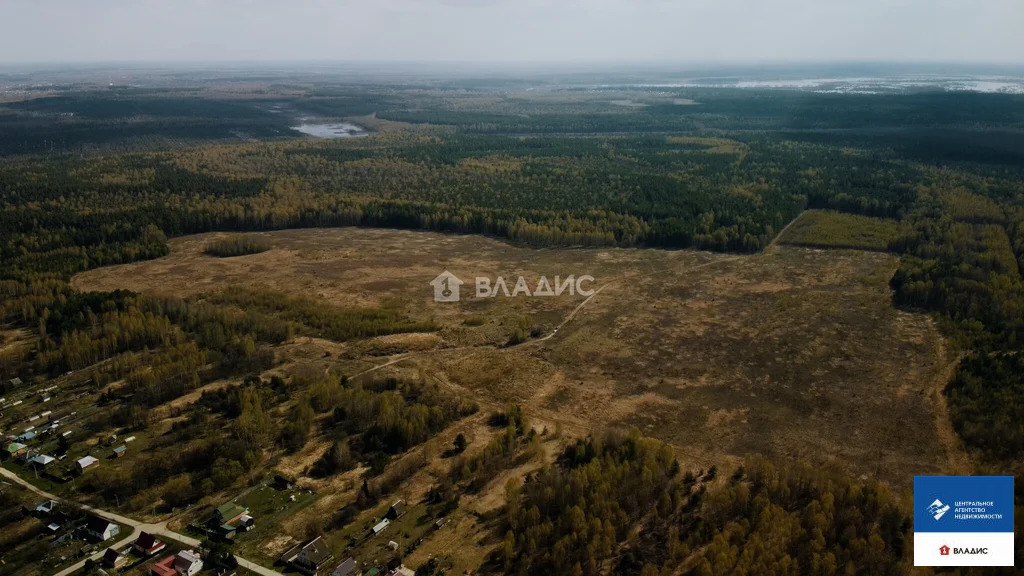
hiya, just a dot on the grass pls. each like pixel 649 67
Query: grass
pixel 268 507
pixel 414 524
pixel 823 229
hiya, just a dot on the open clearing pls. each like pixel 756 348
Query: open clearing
pixel 825 229
pixel 795 353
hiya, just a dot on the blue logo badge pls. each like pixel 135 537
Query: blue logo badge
pixel 963 504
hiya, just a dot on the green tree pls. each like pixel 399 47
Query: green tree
pixel 225 472
pixel 253 426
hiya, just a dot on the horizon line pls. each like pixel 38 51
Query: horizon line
pixel 506 62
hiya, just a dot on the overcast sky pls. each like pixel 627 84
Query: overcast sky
pixel 512 30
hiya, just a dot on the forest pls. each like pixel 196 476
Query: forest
pixel 619 505
pixel 100 177
pixel 237 246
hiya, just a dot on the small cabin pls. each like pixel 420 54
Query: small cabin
pixel 83 464
pixel 396 511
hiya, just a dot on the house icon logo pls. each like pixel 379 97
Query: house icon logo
pixel 944 550
pixel 446 287
pixel 937 509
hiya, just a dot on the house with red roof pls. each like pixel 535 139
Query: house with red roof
pixel 147 544
pixel 164 567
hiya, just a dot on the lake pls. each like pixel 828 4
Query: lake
pixel 332 130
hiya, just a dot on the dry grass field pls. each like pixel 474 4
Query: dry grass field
pixel 795 353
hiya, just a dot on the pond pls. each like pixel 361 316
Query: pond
pixel 331 130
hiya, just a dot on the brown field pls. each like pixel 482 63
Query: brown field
pixel 794 353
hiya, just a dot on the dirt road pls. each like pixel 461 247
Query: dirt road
pixel 159 529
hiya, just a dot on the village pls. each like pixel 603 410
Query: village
pixel 47 455
pixel 98 544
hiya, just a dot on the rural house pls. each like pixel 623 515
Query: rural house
pixel 229 513
pixel 114 559
pixel 100 529
pixel 147 544
pixel 41 461
pixel 348 567
pixel 46 508
pixel 14 449
pixel 231 517
pixel 85 463
pixel 309 558
pixel 61 534
pixel 380 526
pixel 163 567
pixel 187 563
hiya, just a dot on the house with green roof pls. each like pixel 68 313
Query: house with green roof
pixel 14 449
pixel 230 517
pixel 228 513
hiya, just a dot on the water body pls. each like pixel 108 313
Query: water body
pixel 332 130
pixel 858 85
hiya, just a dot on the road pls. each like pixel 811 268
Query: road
pixel 572 314
pixel 159 529
pixel 775 241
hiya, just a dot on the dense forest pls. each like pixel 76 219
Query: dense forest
pixel 619 505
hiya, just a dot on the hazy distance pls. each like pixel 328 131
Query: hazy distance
pixel 71 31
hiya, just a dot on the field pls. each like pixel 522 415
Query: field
pixel 718 355
pixel 816 228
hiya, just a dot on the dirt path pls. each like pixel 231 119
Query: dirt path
pixel 572 314
pixel 568 318
pixel 627 276
pixel 775 241
pixel 194 395
pixel 959 462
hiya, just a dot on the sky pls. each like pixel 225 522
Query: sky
pixel 72 31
